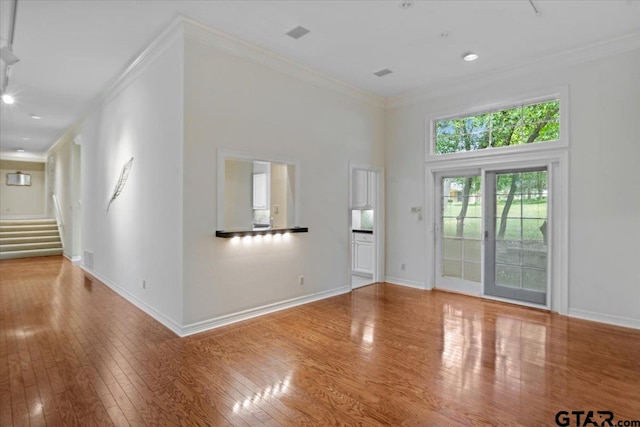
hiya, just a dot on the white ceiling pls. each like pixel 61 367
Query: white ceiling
pixel 71 51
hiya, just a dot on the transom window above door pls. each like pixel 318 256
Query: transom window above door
pixel 523 124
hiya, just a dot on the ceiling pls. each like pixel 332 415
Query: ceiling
pixel 71 51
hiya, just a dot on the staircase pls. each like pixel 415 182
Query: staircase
pixel 29 238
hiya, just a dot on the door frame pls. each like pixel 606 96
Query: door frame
pixel 378 222
pixel 557 162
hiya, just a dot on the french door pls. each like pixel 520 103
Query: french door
pixel 492 233
pixel 459 244
pixel 516 249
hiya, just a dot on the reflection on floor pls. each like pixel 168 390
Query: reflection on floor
pixel 359 281
pixel 73 352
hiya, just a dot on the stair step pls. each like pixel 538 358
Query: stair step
pixel 30 253
pixel 28 233
pixel 30 246
pixel 27 221
pixel 27 227
pixel 28 239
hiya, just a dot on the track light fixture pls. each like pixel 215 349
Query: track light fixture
pixel 8 57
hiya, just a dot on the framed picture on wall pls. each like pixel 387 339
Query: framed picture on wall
pixel 19 178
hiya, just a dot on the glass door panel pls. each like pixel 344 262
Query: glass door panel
pixel 459 245
pixel 516 235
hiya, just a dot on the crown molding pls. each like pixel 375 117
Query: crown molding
pixel 23 157
pixel 68 135
pixel 173 32
pixel 182 27
pixel 200 32
pixel 586 53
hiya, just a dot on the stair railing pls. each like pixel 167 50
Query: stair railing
pixel 59 219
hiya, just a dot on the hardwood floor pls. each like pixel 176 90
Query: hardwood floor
pixel 72 352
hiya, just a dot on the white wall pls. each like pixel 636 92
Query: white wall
pixel 188 98
pixel 238 103
pixel 64 171
pixel 238 197
pixel 22 201
pixel 405 233
pixel 604 225
pixel 280 194
pixel 140 237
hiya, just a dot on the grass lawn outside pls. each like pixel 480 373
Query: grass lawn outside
pixel 523 223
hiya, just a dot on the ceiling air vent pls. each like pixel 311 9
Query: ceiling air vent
pixel 298 32
pixel 383 73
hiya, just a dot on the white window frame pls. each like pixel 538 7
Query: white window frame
pixel 560 93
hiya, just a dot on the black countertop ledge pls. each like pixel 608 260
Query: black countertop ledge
pixel 226 234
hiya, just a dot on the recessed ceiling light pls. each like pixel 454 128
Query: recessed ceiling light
pixel 35 117
pixel 8 99
pixel 298 32
pixel 470 56
pixel 405 4
pixel 383 73
pixel 26 139
pixel 20 150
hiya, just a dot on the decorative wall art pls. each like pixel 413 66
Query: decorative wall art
pixel 121 181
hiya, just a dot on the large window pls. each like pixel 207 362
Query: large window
pixel 524 124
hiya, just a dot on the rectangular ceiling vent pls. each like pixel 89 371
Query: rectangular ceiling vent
pixel 298 32
pixel 383 73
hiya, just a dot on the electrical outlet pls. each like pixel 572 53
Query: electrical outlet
pixel 144 284
pixel 300 280
pixel 402 267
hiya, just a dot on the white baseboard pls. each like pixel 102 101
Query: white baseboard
pixel 604 318
pixel 205 325
pixel 216 322
pixel 164 320
pixel 74 259
pixel 359 274
pixel 403 282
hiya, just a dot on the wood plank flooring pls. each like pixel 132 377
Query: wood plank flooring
pixel 72 352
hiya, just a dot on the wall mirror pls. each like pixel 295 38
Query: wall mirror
pixel 19 179
pixel 257 192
